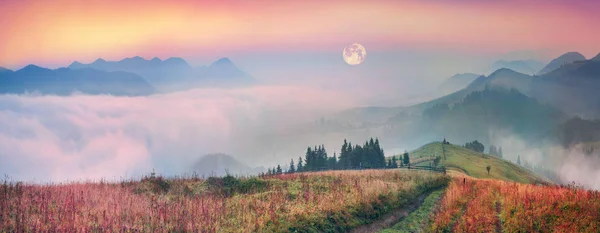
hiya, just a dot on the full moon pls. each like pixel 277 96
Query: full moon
pixel 354 54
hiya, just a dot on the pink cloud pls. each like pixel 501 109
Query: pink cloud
pixel 91 137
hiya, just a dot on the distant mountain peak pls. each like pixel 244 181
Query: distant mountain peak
pixel 503 71
pixel 596 58
pixel 220 164
pixel 32 67
pixel 176 61
pixel 99 60
pixel 575 54
pixel 224 65
pixel 223 60
pixel 156 59
pixel 566 58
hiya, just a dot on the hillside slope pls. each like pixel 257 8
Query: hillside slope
pixel 482 112
pixel 474 164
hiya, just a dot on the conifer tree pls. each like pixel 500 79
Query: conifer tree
pixel 308 159
pixel 343 154
pixel 300 167
pixel 292 168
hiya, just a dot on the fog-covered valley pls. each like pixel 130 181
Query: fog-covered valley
pixel 75 134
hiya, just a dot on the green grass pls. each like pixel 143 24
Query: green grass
pixel 431 149
pixel 474 164
pixel 418 220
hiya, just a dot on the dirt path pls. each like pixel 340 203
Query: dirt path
pixel 392 218
pixel 498 221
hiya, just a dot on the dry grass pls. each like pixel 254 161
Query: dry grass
pixel 492 205
pixel 288 201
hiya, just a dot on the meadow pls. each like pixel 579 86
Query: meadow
pixel 333 201
pixel 460 159
pixel 474 205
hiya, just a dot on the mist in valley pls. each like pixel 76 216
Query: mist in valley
pixel 291 104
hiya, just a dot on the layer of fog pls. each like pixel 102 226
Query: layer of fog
pixel 571 165
pixel 52 138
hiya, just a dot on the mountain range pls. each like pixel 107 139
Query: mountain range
pixel 571 87
pixel 175 74
pixel 534 107
pixel 65 81
pixel 129 76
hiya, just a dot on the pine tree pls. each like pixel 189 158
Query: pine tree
pixel 323 158
pixel 406 159
pixel 334 162
pixel 389 164
pixel 269 172
pixel 315 160
pixel 350 159
pixel 380 154
pixel 356 159
pixel 344 155
pixel 308 159
pixel 300 167
pixel 394 162
pixel 519 159
pixel 292 168
pixel 279 171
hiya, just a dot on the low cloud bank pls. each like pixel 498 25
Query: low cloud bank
pixel 576 164
pixel 52 138
pixel 581 168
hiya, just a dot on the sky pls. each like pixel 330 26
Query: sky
pixel 56 32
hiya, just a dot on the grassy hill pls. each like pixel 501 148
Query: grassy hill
pixel 474 164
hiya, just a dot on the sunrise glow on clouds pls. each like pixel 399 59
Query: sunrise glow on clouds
pixel 60 31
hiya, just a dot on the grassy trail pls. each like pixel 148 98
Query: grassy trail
pixel 418 220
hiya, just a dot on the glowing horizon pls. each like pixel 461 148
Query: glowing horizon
pixel 62 31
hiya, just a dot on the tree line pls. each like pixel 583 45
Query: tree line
pixel 475 146
pixel 495 151
pixel 479 147
pixel 368 155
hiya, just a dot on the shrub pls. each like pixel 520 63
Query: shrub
pixel 230 185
